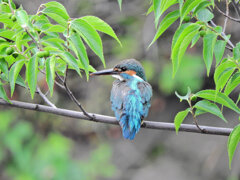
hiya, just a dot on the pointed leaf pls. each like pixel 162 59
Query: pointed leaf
pixel 204 15
pixel 101 25
pixel 202 5
pixel 50 73
pixel 233 141
pixel 218 97
pixel 4 66
pixel 89 34
pixel 195 39
pixel 80 51
pixel 179 118
pixel 160 6
pixel 3 94
pixel 22 18
pixel 120 4
pixel 209 41
pixel 70 59
pixel 13 74
pixel 57 8
pixel 168 20
pixel 32 71
pixel 219 50
pixel 212 108
pixel 232 83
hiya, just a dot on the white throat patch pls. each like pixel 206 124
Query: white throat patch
pixel 118 77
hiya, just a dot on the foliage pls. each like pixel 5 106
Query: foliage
pixel 25 154
pixel 48 42
pixel 195 24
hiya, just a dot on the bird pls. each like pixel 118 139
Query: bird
pixel 130 95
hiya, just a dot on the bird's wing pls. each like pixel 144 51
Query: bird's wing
pixel 146 94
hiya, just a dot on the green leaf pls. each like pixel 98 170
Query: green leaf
pixel 102 26
pixel 22 18
pixel 57 8
pixel 218 97
pixel 195 39
pixel 70 59
pixel 236 52
pixel 209 41
pixel 168 20
pixel 219 50
pixel 89 34
pixel 120 4
pixel 80 51
pixel 179 118
pixel 186 97
pixel 233 141
pixel 232 83
pixel 202 5
pixel 160 6
pixel 212 108
pixel 50 73
pixel 55 15
pixel 13 74
pixel 150 9
pixel 4 66
pixel 223 73
pixel 188 6
pixel 32 71
pixel 199 112
pixel 179 48
pixel 204 15
pixel 3 94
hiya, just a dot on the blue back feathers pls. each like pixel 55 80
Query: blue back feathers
pixel 130 100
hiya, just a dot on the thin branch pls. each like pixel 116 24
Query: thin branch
pixel 112 120
pixel 226 19
pixel 73 98
pixel 224 37
pixel 34 40
pixel 229 17
pixel 46 100
pixel 236 7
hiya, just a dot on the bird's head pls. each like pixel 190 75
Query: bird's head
pixel 126 69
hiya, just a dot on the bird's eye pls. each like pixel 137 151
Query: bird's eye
pixel 123 68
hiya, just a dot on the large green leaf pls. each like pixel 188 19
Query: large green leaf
pixel 71 60
pixel 57 8
pixel 212 108
pixel 32 71
pixel 4 66
pixel 14 72
pixel 219 50
pixel 201 6
pixel 218 97
pixel 168 20
pixel 3 94
pixel 89 34
pixel 181 43
pixel 188 6
pixel 232 83
pixel 209 41
pixel 233 141
pixel 101 25
pixel 160 6
pixel 179 118
pixel 205 15
pixel 50 73
pixel 22 18
pixel 223 73
pixel 80 51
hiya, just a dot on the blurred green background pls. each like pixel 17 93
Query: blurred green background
pixel 39 146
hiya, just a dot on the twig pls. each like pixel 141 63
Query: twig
pixel 46 100
pixel 229 17
pixel 224 37
pixel 73 98
pixel 236 7
pixel 226 19
pixel 112 120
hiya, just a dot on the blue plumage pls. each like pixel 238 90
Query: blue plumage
pixel 130 95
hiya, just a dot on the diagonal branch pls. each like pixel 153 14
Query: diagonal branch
pixel 112 120
pixel 46 100
pixel 226 19
pixel 229 17
pixel 236 7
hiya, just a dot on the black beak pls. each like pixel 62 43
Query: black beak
pixel 104 72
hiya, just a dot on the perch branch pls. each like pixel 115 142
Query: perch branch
pixel 46 100
pixel 112 120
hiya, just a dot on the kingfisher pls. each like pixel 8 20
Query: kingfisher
pixel 130 95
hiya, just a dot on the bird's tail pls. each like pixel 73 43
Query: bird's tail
pixel 130 126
